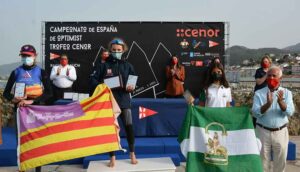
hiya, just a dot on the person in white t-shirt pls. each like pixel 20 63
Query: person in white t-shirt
pixel 62 77
pixel 216 92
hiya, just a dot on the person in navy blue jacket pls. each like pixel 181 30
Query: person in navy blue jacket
pixel 116 65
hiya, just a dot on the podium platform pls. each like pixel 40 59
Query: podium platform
pixel 149 147
pixel 148 164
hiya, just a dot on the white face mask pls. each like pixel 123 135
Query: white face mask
pixel 117 55
pixel 27 61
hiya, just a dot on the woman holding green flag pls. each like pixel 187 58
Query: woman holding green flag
pixel 216 92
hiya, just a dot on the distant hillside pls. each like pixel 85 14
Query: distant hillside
pixel 237 55
pixel 295 48
pixel 6 69
pixel 240 53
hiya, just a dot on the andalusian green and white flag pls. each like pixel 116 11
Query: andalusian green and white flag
pixel 220 139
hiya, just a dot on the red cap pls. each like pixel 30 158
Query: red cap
pixel 27 50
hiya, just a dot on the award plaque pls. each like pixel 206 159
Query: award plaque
pixel 20 90
pixel 132 79
pixel 188 97
pixel 68 95
pixel 114 82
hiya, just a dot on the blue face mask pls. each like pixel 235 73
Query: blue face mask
pixel 27 61
pixel 117 55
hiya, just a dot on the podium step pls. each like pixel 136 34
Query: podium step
pixel 8 149
pixel 153 147
pixel 174 157
pixel 148 164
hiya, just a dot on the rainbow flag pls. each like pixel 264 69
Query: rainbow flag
pixel 50 134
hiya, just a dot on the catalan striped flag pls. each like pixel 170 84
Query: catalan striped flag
pixel 50 134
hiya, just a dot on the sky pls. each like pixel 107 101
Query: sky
pixel 253 23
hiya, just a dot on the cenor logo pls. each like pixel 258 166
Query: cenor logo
pixel 197 33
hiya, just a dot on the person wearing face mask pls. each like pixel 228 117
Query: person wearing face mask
pixel 37 83
pixel 104 56
pixel 272 105
pixel 216 92
pixel 175 74
pixel 261 73
pixel 261 77
pixel 211 63
pixel 116 65
pixel 215 60
pixel 62 77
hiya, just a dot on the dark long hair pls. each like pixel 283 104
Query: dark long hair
pixel 178 65
pixel 214 60
pixel 209 79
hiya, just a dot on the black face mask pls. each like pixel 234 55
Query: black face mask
pixel 216 76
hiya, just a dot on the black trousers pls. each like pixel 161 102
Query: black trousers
pixel 126 118
pixel 254 121
pixel 58 93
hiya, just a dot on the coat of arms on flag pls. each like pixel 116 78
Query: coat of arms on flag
pixel 216 154
pixel 145 112
pixel 219 139
pixel 50 134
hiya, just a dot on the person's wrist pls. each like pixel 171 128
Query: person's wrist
pixel 268 103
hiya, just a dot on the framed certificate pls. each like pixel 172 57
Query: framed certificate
pixel 20 90
pixel 132 79
pixel 114 82
pixel 188 97
pixel 68 95
pixel 82 96
pixel 75 97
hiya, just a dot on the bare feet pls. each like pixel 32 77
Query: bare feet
pixel 133 158
pixel 112 162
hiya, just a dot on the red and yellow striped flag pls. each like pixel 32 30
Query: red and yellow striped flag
pixel 50 134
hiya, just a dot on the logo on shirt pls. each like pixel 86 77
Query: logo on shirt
pixel 26 75
pixel 109 72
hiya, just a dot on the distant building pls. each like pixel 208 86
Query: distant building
pixel 287 70
pixel 295 70
pixel 292 82
pixel 247 82
pixel 248 71
pixel 288 82
pixel 233 76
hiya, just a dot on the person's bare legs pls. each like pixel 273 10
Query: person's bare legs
pixel 112 161
pixel 133 158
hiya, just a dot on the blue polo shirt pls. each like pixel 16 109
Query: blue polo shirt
pixel 274 117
